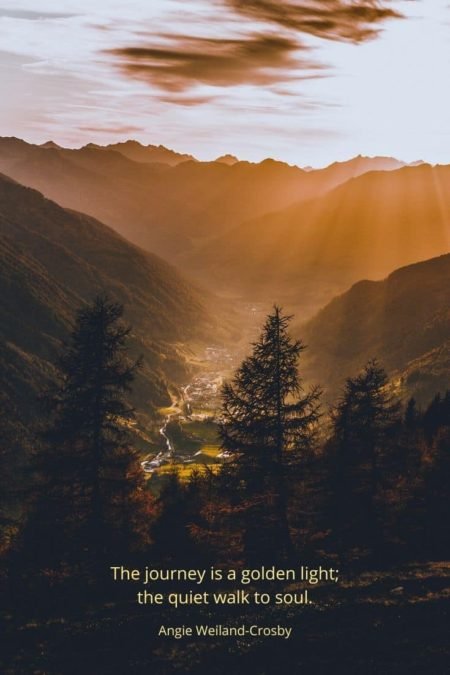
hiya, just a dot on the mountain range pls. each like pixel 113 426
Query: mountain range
pixel 260 233
pixel 168 205
pixel 147 154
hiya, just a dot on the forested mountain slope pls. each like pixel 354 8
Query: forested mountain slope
pixel 404 321
pixel 53 261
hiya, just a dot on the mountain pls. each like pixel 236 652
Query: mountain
pixel 52 261
pixel 227 159
pixel 359 165
pixel 145 153
pixel 365 228
pixel 50 145
pixel 404 321
pixel 171 210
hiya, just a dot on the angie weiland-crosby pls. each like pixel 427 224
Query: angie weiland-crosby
pixel 179 632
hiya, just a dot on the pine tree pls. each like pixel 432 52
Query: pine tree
pixel 432 418
pixel 89 500
pixel 412 415
pixel 178 514
pixel 437 415
pixel 365 421
pixel 268 422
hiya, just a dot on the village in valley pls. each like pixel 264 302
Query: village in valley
pixel 188 436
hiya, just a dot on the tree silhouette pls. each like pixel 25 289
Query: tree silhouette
pixel 268 422
pixel 437 415
pixel 89 500
pixel 364 423
pixel 178 508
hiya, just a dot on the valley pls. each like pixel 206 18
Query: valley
pixel 188 436
pixel 245 236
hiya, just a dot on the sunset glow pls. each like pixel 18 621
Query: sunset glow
pixel 258 79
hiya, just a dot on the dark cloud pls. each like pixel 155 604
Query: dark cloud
pixel 256 59
pixel 348 20
pixel 265 58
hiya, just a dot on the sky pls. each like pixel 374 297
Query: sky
pixel 305 82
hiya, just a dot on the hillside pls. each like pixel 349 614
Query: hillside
pixel 365 228
pixel 51 262
pixel 168 209
pixel 404 321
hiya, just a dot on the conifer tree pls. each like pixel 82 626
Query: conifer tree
pixel 412 415
pixel 89 500
pixel 432 417
pixel 268 422
pixel 364 423
pixel 178 515
pixel 437 415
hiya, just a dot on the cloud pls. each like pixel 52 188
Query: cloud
pixel 188 61
pixel 275 54
pixel 343 20
pixel 105 129
pixel 186 100
pixel 31 15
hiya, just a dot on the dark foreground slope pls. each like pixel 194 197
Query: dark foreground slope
pixel 53 261
pixel 404 321
pixel 391 622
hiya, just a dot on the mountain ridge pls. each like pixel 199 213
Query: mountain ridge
pixel 171 210
pixel 53 261
pixel 402 320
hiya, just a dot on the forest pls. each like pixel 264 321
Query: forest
pixel 361 486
